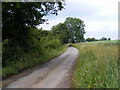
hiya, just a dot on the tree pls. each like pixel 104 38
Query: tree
pixel 62 32
pixel 19 17
pixel 76 28
pixel 45 33
pixel 91 39
pixel 109 38
pixel 103 38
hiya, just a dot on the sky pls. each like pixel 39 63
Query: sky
pixel 99 16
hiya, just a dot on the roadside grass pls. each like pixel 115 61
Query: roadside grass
pixel 96 66
pixel 30 61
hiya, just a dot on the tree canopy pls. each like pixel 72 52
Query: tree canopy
pixel 76 28
pixel 71 31
pixel 62 32
pixel 19 17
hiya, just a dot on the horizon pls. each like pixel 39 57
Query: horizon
pixel 100 18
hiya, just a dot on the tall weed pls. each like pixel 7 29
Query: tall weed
pixel 97 66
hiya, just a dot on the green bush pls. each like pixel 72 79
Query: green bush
pixel 52 44
pixel 37 50
pixel 13 52
pixel 10 53
pixel 7 71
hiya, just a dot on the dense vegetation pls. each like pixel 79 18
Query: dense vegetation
pixel 97 66
pixel 71 31
pixel 93 39
pixel 24 46
pixel 39 50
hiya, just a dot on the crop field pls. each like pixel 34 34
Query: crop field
pixel 97 66
pixel 99 42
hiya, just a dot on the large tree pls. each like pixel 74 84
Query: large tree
pixel 76 28
pixel 62 32
pixel 19 17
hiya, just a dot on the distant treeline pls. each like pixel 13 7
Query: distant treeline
pixel 93 39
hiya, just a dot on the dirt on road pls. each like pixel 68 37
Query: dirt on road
pixel 56 73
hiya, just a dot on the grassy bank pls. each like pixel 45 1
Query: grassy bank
pixel 30 61
pixel 96 66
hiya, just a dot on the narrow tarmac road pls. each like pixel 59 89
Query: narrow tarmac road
pixel 51 74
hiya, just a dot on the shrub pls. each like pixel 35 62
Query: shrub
pixel 52 44
pixel 8 71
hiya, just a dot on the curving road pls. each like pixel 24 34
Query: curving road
pixel 51 74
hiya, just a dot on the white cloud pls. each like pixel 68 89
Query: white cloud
pixel 99 15
pixel 98 26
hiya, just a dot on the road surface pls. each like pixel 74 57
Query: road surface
pixel 51 74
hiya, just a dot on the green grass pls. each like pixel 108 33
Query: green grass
pixel 99 42
pixel 30 61
pixel 96 66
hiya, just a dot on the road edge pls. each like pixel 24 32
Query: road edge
pixel 13 78
pixel 67 80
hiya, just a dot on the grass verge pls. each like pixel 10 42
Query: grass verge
pixel 96 66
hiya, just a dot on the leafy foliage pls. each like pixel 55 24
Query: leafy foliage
pixel 17 59
pixel 19 17
pixel 24 46
pixel 76 28
pixel 62 32
pixel 71 31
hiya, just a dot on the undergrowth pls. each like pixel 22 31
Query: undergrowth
pixel 30 60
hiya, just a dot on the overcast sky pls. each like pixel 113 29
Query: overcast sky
pixel 99 16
